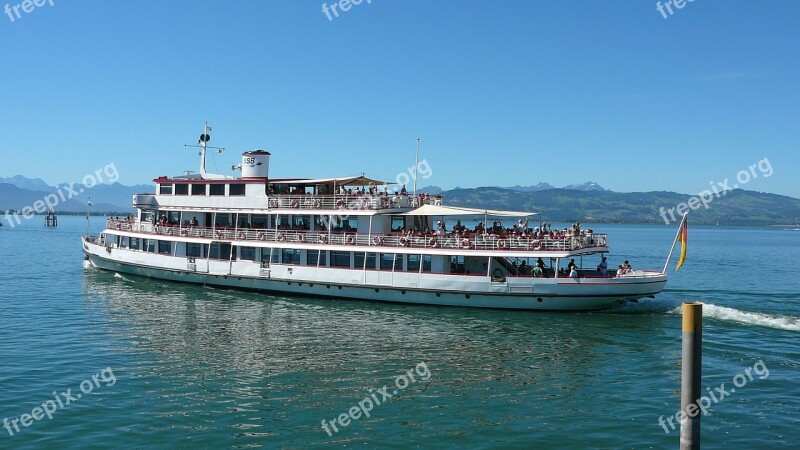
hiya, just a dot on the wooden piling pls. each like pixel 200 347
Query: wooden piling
pixel 691 368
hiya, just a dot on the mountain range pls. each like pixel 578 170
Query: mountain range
pixel 18 191
pixel 587 202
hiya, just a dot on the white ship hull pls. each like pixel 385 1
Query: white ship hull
pixel 554 294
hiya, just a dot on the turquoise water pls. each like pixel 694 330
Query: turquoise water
pixel 186 366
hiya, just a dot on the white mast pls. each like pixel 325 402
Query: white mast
pixel 202 144
pixel 416 168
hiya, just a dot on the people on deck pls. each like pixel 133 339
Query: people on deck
pixel 571 266
pixel 573 272
pixel 603 267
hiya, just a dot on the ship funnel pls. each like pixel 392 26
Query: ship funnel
pixel 255 164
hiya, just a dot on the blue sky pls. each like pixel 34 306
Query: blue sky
pixel 501 93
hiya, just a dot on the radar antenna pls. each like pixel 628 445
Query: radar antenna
pixel 202 144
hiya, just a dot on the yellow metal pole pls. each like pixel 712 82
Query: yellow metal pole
pixel 691 368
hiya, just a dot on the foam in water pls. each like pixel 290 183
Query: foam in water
pixel 789 323
pixel 724 313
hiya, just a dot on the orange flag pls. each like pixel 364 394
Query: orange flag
pixel 683 237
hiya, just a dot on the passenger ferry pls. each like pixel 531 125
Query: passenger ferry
pixel 349 238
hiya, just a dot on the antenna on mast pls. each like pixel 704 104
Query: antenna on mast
pixel 202 144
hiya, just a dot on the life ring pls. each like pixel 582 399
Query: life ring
pixel 281 237
pixel 377 240
pixel 497 273
pixel 501 244
pixel 350 240
pixel 403 241
pixel 273 203
pixel 300 238
pixel 317 204
pixel 340 204
pixel 218 234
pixel 294 204
pixel 535 244
pixel 262 237
pixel 323 239
pixel 432 242
pixel 466 244
pixel 184 232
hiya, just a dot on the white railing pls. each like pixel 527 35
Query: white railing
pixel 453 241
pixel 351 202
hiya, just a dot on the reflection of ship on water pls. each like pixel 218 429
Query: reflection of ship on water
pixel 215 330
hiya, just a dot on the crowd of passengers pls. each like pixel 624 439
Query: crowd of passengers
pixel 372 189
pixel 497 229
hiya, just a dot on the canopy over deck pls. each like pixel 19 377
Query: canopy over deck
pixel 359 180
pixel 434 210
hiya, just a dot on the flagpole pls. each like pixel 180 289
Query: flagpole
pixel 675 241
pixel 416 168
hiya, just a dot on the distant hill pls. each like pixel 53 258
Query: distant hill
pixel 542 186
pixel 113 197
pixel 587 202
pixel 737 207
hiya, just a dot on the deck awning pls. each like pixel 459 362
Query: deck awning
pixel 434 210
pixel 359 180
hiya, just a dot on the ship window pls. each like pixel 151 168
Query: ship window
pixel 194 250
pixel 301 223
pixel 265 252
pixel 398 223
pixel 217 189
pixel 340 259
pixel 413 263
pixel 359 261
pixel 165 247
pixel 198 189
pixel 426 263
pixel 312 257
pixel 150 244
pixel 220 251
pixel 124 242
pixel 222 220
pixel 259 221
pixel 134 243
pixel 248 253
pixel 181 189
pixel 291 256
pixel 456 264
pixel 165 189
pixel 236 189
pixel 387 261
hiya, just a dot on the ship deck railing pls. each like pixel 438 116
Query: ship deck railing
pixel 350 202
pixel 469 241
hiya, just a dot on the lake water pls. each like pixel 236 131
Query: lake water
pixel 186 366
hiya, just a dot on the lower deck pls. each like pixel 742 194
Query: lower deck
pixel 429 279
